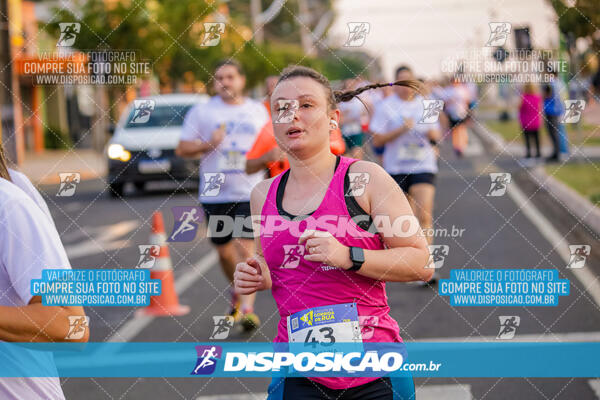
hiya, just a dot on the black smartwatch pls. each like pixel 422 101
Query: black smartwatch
pixel 357 255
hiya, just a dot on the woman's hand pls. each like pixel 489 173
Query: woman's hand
pixel 248 277
pixel 323 247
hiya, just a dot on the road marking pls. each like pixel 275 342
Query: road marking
pixel 104 239
pixel 595 385
pixel 134 326
pixel 428 392
pixel 450 392
pixel 474 147
pixel 529 337
pixel 584 275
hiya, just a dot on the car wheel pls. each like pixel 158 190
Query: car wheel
pixel 140 186
pixel 116 189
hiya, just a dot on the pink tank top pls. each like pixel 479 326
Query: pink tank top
pixel 310 284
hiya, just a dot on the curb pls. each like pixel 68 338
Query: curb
pixel 577 204
pixel 492 139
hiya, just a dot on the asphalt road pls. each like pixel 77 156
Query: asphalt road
pixel 100 232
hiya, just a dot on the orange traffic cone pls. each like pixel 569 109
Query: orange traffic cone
pixel 167 304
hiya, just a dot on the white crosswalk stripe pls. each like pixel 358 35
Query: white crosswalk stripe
pixel 595 385
pixel 103 238
pixel 428 392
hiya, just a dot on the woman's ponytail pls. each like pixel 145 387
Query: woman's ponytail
pixel 3 168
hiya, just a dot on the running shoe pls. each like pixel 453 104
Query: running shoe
pixel 250 322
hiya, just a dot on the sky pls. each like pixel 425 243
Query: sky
pixel 422 33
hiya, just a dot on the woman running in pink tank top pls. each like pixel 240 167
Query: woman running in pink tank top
pixel 316 246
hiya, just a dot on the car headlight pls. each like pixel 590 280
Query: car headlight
pixel 117 152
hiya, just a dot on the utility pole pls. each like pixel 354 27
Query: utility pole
pixel 305 33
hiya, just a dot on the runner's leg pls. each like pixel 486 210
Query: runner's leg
pixel 422 196
pixel 421 200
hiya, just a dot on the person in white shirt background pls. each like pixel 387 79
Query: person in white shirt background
pixel 410 148
pixel 222 132
pixel 29 243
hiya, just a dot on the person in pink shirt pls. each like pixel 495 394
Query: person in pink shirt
pixel 530 113
pixel 337 267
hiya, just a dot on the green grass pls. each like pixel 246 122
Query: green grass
pixel 511 130
pixel 584 178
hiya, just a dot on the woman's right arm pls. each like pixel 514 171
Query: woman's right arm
pixel 254 275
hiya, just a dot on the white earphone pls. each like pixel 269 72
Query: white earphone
pixel 334 123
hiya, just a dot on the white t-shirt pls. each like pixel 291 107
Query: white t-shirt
pixel 411 152
pixel 29 243
pixel 352 111
pixel 456 99
pixel 25 184
pixel 243 123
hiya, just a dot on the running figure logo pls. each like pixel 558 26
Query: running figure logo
pixel 287 110
pixel 292 256
pixel 68 183
pixel 431 111
pixel 212 33
pixel 499 32
pixel 437 255
pixel 357 33
pixel 148 254
pixel 579 253
pixel 358 183
pixel 142 111
pixel 207 359
pixel 223 324
pixel 573 111
pixel 77 326
pixel 508 327
pixel 212 183
pixel 367 325
pixel 187 219
pixel 500 181
pixel 68 33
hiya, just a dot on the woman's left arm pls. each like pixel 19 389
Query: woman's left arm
pixel 29 243
pixel 406 255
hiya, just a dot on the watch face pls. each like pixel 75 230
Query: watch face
pixel 358 254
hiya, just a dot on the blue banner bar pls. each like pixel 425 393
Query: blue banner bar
pixel 229 359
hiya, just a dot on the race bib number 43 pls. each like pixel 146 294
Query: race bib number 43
pixel 326 325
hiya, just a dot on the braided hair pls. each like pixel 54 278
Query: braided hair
pixel 339 96
pixel 3 168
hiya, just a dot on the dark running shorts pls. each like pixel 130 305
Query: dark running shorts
pixel 454 122
pixel 353 141
pixel 220 234
pixel 405 181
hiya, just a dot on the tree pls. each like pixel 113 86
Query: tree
pixel 581 19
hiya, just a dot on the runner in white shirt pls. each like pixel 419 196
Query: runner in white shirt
pixel 29 243
pixel 457 98
pixel 25 185
pixel 410 156
pixel 222 132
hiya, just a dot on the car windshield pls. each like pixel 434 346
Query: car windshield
pixel 143 115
